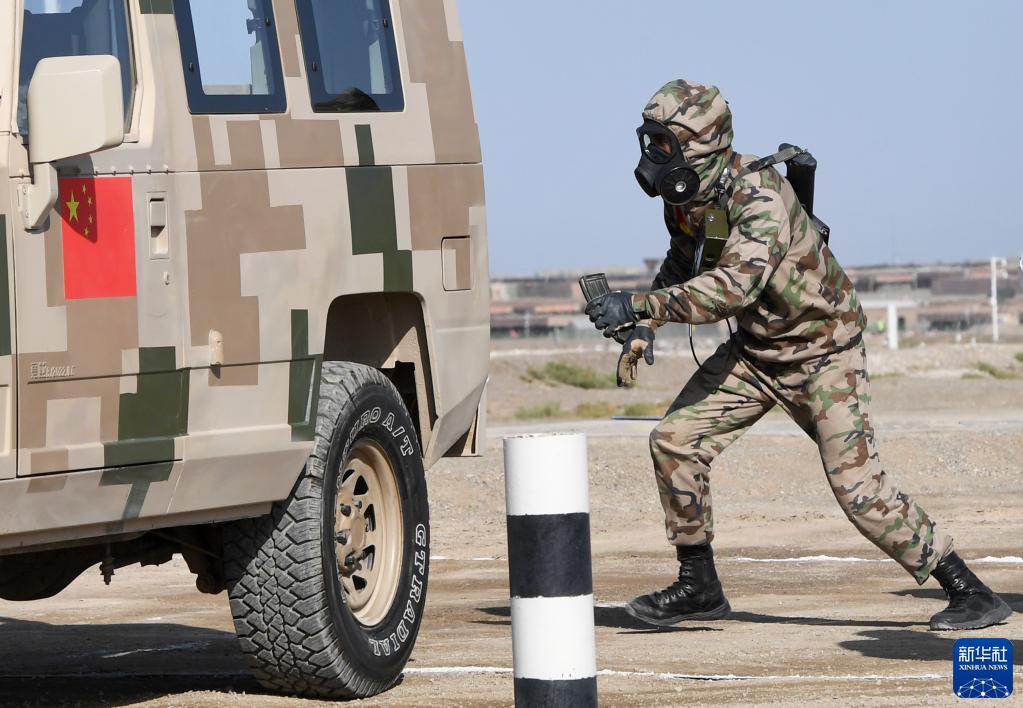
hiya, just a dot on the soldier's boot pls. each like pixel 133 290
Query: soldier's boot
pixel 696 595
pixel 971 603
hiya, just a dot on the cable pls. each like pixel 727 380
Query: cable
pixel 692 347
pixel 731 349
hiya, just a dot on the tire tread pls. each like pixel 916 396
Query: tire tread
pixel 273 566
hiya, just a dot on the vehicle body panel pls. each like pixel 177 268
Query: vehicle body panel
pixel 193 397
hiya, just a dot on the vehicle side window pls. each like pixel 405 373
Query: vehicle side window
pixel 350 55
pixel 230 55
pixel 61 28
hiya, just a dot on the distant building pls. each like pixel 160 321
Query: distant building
pixel 931 299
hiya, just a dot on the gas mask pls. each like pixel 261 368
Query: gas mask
pixel 663 170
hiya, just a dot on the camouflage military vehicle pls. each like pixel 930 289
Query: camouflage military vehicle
pixel 245 304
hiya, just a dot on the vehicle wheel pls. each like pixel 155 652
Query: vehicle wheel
pixel 327 591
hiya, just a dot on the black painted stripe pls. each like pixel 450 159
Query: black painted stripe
pixel 549 555
pixel 574 693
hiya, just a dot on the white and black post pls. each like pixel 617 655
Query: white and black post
pixel 546 487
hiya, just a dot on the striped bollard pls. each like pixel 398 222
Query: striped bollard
pixel 546 488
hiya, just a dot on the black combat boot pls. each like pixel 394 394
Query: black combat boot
pixel 696 595
pixel 971 603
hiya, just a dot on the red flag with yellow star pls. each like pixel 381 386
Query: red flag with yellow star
pixel 98 230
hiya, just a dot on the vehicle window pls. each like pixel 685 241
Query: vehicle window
pixel 230 55
pixel 350 55
pixel 60 28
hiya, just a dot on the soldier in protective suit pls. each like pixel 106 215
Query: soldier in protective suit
pixel 799 346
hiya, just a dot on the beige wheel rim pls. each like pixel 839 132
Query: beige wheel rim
pixel 368 532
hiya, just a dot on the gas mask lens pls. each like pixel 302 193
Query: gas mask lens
pixel 656 147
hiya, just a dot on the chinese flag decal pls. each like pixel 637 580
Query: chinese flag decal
pixel 98 230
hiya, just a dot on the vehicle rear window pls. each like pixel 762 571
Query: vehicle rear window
pixel 62 28
pixel 350 55
pixel 230 56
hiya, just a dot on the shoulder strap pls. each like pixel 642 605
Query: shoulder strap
pixel 726 183
pixel 783 155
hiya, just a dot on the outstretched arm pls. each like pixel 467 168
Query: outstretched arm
pixel 758 240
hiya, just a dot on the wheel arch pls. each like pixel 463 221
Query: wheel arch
pixel 387 331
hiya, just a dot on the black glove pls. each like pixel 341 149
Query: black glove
pixel 612 312
pixel 639 343
pixel 623 335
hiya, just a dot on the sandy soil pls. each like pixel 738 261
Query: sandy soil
pixel 851 628
pixel 932 377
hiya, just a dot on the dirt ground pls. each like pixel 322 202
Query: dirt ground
pixel 849 626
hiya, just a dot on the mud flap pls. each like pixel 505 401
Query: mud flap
pixel 474 442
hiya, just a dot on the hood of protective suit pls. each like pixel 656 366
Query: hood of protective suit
pixel 700 118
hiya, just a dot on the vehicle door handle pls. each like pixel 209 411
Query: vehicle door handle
pixel 159 242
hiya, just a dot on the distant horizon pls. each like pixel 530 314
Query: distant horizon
pixel 910 109
pixel 1012 264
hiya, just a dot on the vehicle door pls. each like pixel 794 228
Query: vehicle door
pixel 100 379
pixel 8 449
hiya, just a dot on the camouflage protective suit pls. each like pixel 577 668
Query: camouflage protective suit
pixel 798 345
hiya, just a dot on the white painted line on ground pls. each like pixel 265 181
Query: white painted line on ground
pixel 1008 560
pixel 854 559
pixel 667 676
pixel 783 677
pixel 457 670
pixel 808 559
pixel 999 559
pixel 169 647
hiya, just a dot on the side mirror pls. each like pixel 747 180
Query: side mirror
pixel 75 107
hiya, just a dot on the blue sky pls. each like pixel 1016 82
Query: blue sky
pixel 913 110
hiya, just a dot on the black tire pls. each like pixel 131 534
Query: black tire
pixel 294 619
